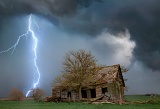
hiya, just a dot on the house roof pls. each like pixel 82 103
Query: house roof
pixel 109 74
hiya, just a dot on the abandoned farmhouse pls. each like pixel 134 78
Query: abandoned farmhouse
pixel 109 86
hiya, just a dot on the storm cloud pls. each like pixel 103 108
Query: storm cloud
pixel 127 31
pixel 140 17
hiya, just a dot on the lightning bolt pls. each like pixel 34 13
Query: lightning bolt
pixel 35 41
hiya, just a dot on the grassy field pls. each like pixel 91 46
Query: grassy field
pixel 30 104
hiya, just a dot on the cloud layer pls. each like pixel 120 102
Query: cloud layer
pixel 140 17
pixel 125 32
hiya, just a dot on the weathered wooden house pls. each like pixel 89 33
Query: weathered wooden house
pixel 109 86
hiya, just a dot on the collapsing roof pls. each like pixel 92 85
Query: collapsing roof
pixel 109 74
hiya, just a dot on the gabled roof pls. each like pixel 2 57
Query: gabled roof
pixel 110 74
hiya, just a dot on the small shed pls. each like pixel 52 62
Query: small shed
pixel 109 86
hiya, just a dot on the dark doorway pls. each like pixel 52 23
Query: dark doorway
pixel 69 94
pixel 104 90
pixel 93 93
pixel 84 93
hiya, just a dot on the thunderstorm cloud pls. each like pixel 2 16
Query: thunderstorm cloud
pixel 115 31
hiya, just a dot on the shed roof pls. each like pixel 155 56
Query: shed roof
pixel 109 74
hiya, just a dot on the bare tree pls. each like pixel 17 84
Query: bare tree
pixel 16 94
pixel 124 70
pixel 78 69
pixel 38 94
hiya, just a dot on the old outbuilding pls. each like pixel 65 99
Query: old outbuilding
pixel 108 86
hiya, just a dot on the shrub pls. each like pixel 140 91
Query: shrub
pixel 16 94
pixel 38 94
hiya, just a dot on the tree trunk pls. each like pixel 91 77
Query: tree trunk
pixel 80 94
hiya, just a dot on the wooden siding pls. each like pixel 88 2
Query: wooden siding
pixel 98 91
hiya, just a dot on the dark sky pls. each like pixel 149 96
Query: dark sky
pixel 115 31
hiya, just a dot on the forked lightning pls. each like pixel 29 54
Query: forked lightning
pixel 35 43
